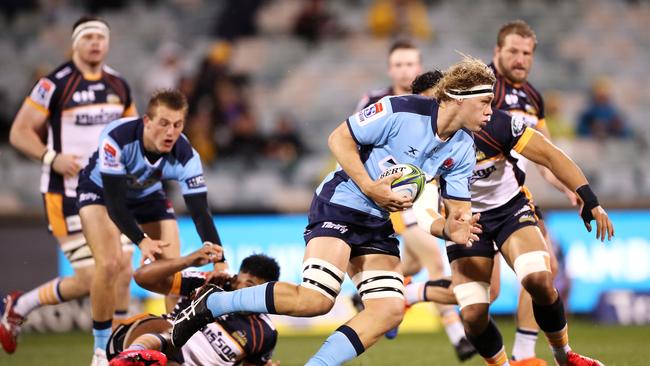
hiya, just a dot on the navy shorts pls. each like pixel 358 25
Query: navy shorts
pixel 498 224
pixel 151 208
pixel 364 233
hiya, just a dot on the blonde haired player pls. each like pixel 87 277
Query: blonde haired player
pixel 73 103
pixel 420 248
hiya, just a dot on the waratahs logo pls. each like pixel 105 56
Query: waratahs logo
pixel 448 164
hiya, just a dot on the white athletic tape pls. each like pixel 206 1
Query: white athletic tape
pixel 322 276
pixel 531 262
pixel 426 207
pixel 379 284
pixel 472 293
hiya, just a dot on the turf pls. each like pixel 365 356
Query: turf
pixel 613 345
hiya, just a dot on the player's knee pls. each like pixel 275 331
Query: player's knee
pixel 392 313
pixel 475 318
pixel 539 285
pixel 107 266
pixel 323 281
pixel 533 269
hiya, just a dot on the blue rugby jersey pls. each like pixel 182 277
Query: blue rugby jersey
pixel 121 152
pixel 399 130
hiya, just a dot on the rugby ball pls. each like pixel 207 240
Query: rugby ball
pixel 410 184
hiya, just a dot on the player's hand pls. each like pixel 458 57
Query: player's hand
pixel 219 278
pixel 151 249
pixel 380 192
pixel 462 229
pixel 208 253
pixel 603 223
pixel 66 165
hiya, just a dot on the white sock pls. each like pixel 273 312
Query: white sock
pixel 27 302
pixel 453 326
pixel 524 345
pixel 414 293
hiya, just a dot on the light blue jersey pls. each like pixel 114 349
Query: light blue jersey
pixel 121 152
pixel 399 130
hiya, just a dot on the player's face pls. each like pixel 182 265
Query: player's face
pixel 476 112
pixel 244 280
pixel 515 58
pixel 163 129
pixel 404 65
pixel 92 48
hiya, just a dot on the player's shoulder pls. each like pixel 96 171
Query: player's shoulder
pixel 111 72
pixel 124 130
pixel 60 75
pixel 503 124
pixel 182 151
pixel 415 104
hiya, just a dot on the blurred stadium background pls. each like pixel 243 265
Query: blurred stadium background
pixel 269 79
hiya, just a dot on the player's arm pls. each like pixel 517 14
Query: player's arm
pixel 438 225
pixel 197 205
pixel 537 148
pixel 158 276
pixel 345 150
pixel 546 173
pixel 459 222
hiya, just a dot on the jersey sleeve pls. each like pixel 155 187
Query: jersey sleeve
pixel 455 176
pixel 110 158
pixel 190 175
pixel 265 352
pixel 42 95
pixel 373 124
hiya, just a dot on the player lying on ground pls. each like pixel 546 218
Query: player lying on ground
pixel 232 339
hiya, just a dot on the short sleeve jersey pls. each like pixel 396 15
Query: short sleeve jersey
pixel 398 130
pixel 78 107
pixel 121 152
pixel 497 178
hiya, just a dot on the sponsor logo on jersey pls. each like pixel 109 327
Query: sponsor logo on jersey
pixel 110 155
pixel 100 117
pixel 220 345
pixel 483 173
pixel 89 196
pixel 371 113
pixel 411 151
pixel 511 99
pixel 83 96
pixel 195 182
pixel 240 336
pixel 448 164
pixel 42 93
pixel 113 99
pixel 330 225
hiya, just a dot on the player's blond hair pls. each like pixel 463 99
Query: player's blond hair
pixel 463 75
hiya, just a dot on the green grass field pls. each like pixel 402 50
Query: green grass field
pixel 615 346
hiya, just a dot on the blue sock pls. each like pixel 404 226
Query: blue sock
pixel 343 345
pixel 101 333
pixel 256 299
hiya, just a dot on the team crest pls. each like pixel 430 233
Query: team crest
pixel 113 99
pixel 480 155
pixel 448 164
pixel 518 124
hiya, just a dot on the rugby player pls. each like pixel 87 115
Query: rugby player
pixel 512 61
pixel 349 227
pixel 420 248
pixel 508 221
pixel 70 106
pixel 121 187
pixel 231 339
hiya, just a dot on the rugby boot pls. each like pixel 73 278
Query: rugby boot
pixel 574 359
pixel 10 323
pixel 194 317
pixel 465 350
pixel 147 357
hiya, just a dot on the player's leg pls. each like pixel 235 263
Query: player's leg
pixel 104 240
pixel 379 282
pixel 470 281
pixel 167 231
pixel 123 281
pixel 325 261
pixel 143 339
pixel 526 252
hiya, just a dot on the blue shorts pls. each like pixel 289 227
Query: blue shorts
pixel 151 208
pixel 498 224
pixel 364 233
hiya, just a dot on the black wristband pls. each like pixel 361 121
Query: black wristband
pixel 589 200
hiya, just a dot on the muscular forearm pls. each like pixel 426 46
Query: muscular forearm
pixel 562 167
pixel 345 150
pixel 158 276
pixel 437 228
pixel 27 142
